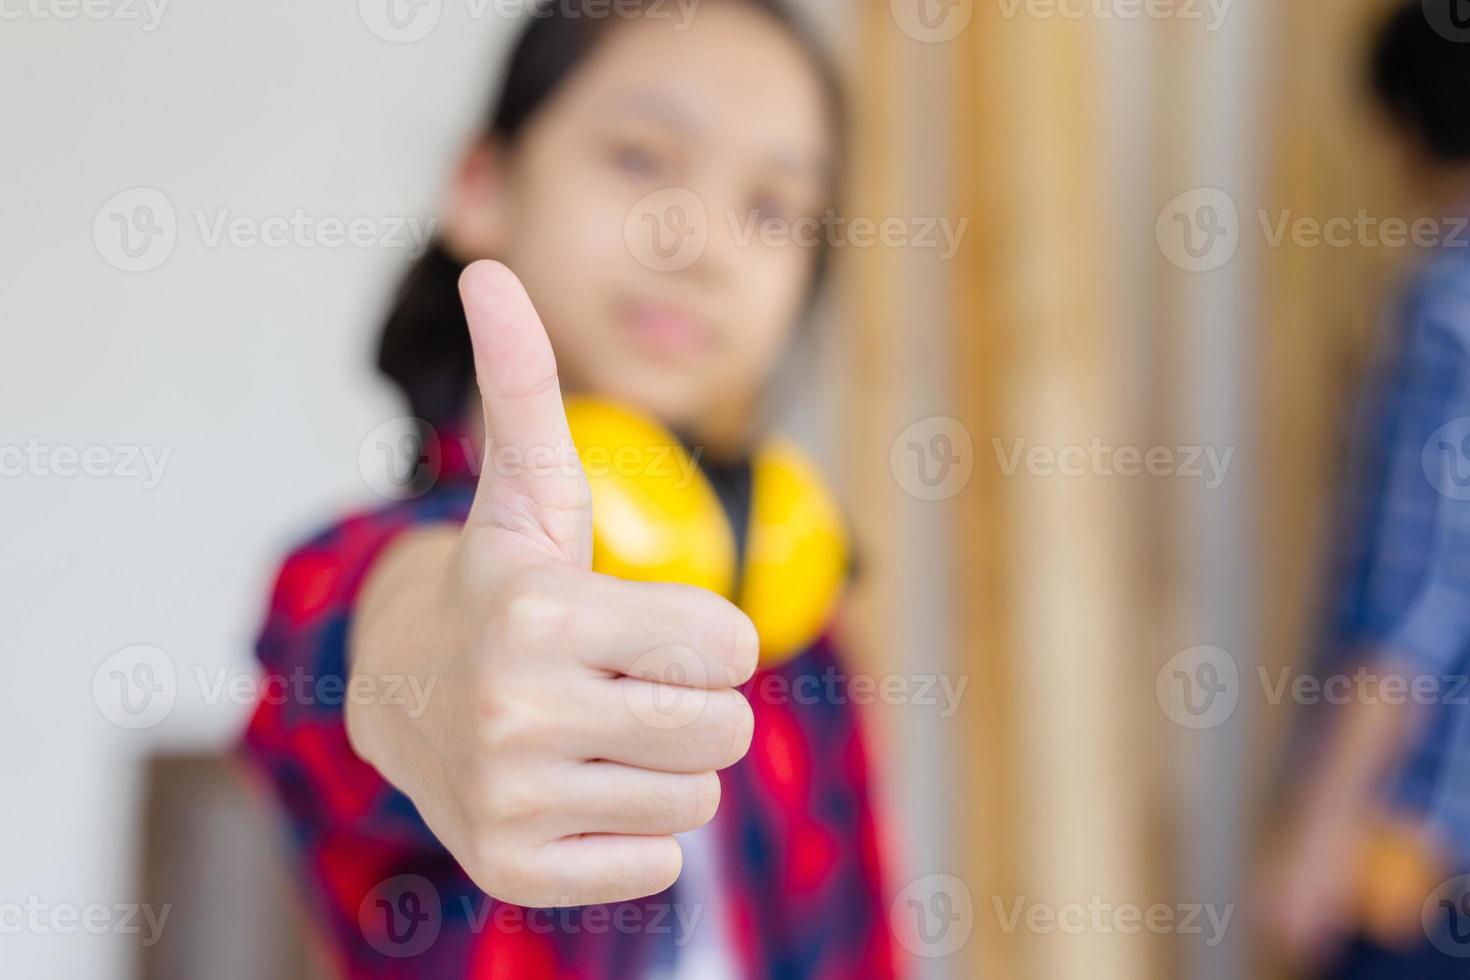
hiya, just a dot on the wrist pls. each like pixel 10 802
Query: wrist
pixel 393 662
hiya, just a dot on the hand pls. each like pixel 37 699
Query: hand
pixel 1307 893
pixel 579 720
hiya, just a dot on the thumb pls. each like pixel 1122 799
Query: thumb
pixel 531 481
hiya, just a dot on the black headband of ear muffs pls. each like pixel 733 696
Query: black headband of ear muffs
pixel 733 482
pixel 734 485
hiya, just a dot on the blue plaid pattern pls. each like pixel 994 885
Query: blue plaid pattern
pixel 1401 572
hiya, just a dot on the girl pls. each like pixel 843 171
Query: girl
pixel 520 819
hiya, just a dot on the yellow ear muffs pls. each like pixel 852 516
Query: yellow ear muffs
pixel 795 552
pixel 656 517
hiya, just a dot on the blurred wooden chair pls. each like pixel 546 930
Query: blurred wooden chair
pixel 212 849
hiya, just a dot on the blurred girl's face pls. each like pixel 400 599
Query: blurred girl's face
pixel 651 208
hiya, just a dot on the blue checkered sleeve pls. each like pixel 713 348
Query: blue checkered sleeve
pixel 1401 591
pixel 1407 588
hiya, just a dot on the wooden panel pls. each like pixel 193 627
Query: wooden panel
pixel 1318 330
pixel 1322 305
pixel 1053 564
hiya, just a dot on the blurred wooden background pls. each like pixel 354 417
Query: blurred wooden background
pixel 1061 139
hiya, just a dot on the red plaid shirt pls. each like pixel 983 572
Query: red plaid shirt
pixel 798 850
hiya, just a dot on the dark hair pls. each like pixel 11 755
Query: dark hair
pixel 424 348
pixel 1420 72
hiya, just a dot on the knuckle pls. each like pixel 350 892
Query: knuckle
pixel 508 721
pixel 515 799
pixel 532 609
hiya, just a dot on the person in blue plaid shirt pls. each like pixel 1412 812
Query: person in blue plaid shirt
pixel 1373 876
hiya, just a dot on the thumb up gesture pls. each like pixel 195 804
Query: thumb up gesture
pixel 577 721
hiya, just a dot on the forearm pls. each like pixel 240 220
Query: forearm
pixel 396 633
pixel 1365 740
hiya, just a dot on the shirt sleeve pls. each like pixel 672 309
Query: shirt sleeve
pixel 359 842
pixel 1418 588
pixel 298 733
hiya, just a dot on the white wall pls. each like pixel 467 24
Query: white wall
pixel 249 364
